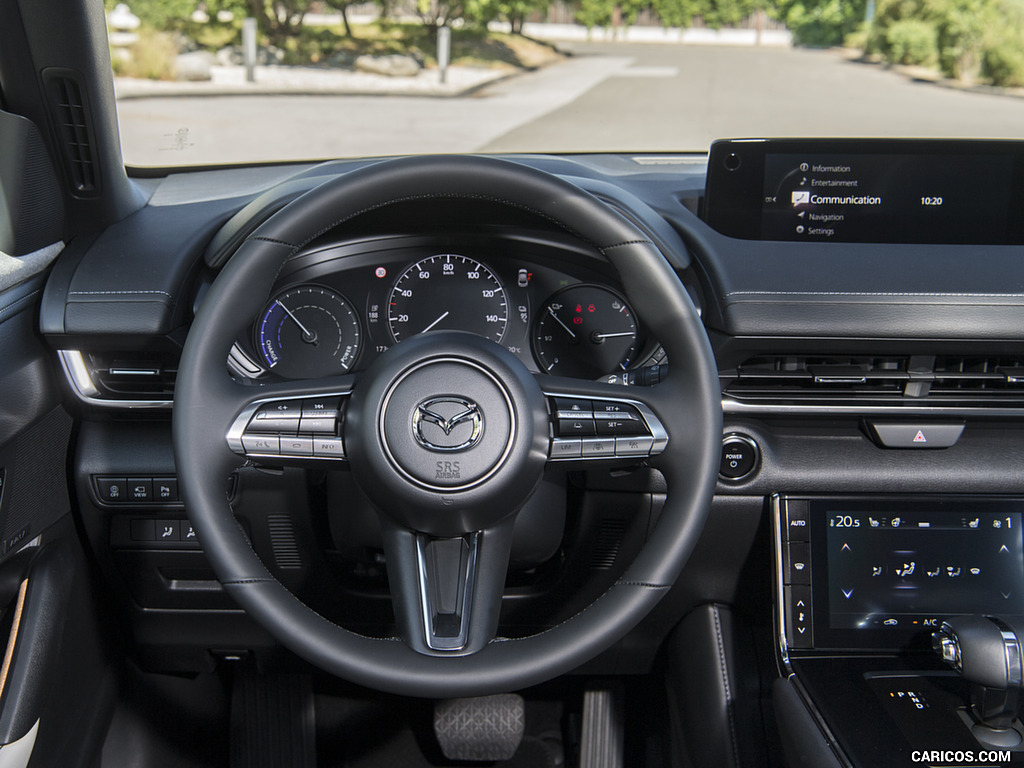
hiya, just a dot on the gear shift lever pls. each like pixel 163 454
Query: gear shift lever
pixel 987 652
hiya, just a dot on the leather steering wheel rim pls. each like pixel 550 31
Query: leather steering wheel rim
pixel 687 402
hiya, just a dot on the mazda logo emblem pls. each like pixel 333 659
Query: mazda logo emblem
pixel 447 424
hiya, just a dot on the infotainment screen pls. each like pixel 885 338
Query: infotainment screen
pixel 929 192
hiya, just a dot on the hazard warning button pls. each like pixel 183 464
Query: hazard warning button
pixel 916 435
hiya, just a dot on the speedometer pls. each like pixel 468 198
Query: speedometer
pixel 448 292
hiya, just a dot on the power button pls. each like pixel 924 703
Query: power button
pixel 740 457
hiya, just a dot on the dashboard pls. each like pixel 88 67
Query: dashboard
pixel 552 303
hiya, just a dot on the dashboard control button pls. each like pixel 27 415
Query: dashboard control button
pixel 165 489
pixel 329 447
pixel 572 408
pixel 168 530
pixel 566 448
pixel 798 520
pixel 261 444
pixel 633 446
pixel 575 428
pixel 140 489
pixel 112 490
pixel 280 417
pixel 296 446
pixel 914 435
pixel 598 448
pixel 799 563
pixel 800 617
pixel 740 457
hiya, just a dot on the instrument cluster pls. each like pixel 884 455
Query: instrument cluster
pixel 552 304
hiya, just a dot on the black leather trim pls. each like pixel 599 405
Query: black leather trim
pixel 802 741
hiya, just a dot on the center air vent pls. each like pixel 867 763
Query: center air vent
pixel 877 380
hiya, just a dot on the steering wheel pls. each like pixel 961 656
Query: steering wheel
pixel 449 434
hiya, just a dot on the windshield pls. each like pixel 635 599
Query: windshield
pixel 239 81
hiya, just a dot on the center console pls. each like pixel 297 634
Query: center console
pixel 865 587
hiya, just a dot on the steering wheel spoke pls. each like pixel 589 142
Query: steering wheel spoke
pixel 447 591
pixel 599 422
pixel 294 421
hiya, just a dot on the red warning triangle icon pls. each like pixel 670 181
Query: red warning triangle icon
pixel 920 438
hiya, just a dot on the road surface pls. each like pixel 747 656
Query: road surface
pixel 606 97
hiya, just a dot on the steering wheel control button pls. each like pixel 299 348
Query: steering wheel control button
pixel 740 457
pixel 279 417
pixel 620 427
pixel 262 445
pixel 571 408
pixel 914 435
pixel 599 448
pixel 575 428
pixel 629 447
pixel 328 447
pixel 296 446
pixel 566 448
pixel 447 424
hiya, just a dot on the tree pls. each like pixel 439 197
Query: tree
pixel 342 7
pixel 279 19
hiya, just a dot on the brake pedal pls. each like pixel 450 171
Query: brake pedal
pixel 481 729
pixel 602 741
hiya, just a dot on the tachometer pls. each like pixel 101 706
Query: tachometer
pixel 585 331
pixel 448 292
pixel 308 332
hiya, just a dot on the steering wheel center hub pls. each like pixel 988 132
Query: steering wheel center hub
pixel 447 424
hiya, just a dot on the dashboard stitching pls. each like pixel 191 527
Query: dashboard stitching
pixel 641 584
pixel 116 293
pixel 10 307
pixel 723 668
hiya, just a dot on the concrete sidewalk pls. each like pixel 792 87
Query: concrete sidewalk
pixel 315 81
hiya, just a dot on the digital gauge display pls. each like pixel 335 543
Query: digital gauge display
pixel 309 332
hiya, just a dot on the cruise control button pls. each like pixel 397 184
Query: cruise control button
pixel 566 448
pixel 620 427
pixel 261 444
pixel 328 446
pixel 573 408
pixel 296 446
pixel 598 448
pixel 610 410
pixel 575 428
pixel 633 446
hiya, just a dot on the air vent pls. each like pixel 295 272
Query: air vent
pixel 74 126
pixel 882 380
pixel 122 380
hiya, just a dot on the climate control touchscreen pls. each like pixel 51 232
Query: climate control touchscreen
pixel 884 573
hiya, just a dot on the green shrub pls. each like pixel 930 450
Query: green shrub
pixel 151 58
pixel 912 41
pixel 1003 63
